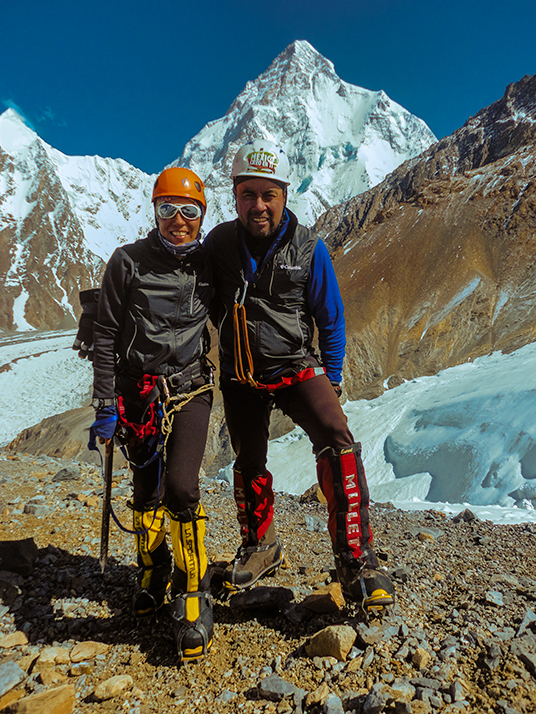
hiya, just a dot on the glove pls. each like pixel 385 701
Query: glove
pixel 104 425
pixel 337 387
pixel 84 337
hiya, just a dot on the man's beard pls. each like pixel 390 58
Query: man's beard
pixel 257 231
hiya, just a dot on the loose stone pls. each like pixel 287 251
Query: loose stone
pixel 335 641
pixel 10 675
pixel 114 686
pixel 13 639
pixel 54 701
pixel 88 650
pixel 275 688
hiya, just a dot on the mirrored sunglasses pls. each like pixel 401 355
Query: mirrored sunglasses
pixel 189 211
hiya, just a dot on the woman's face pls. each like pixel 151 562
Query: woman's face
pixel 178 230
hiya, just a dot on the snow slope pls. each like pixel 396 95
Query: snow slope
pixel 466 435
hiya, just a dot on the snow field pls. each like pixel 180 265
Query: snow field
pixel 464 437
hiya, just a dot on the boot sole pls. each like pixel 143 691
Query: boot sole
pixel 196 654
pixel 270 571
pixel 378 600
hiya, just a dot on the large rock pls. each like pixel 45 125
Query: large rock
pixel 18 556
pixel 333 641
pixel 263 596
pixel 328 599
pixel 113 687
pixel 275 688
pixel 88 650
pixel 53 701
pixel 13 639
pixel 63 436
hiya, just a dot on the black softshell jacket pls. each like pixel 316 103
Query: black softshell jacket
pixel 152 313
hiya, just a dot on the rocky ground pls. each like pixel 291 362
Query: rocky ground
pixel 461 636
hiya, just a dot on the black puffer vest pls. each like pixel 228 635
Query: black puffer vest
pixel 279 322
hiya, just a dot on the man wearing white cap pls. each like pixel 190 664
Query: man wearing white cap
pixel 274 283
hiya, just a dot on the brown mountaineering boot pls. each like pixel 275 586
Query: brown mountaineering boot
pixel 254 562
pixel 364 582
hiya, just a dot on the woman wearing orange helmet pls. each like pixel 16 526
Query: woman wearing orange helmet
pixel 153 387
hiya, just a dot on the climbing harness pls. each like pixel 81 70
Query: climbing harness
pixel 162 404
pixel 243 359
pixel 172 404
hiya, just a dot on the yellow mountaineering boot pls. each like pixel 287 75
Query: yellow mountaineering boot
pixel 154 563
pixel 191 601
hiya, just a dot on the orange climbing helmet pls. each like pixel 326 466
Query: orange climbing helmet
pixel 178 181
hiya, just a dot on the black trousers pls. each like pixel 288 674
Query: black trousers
pixel 312 404
pixel 179 481
pixel 315 407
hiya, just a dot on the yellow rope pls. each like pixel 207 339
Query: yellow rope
pixel 171 404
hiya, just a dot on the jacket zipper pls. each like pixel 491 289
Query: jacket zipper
pixel 193 293
pixel 221 323
pixel 127 354
pixel 300 329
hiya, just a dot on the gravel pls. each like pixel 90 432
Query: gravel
pixel 460 638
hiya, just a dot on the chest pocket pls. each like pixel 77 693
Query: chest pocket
pixel 288 281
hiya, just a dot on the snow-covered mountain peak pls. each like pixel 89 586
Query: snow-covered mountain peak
pixel 60 216
pixel 15 134
pixel 291 72
pixel 341 139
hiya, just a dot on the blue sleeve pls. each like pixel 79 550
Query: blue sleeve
pixel 325 303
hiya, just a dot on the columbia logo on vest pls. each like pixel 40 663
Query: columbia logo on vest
pixel 290 267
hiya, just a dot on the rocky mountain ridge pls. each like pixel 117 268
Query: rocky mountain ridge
pixel 437 263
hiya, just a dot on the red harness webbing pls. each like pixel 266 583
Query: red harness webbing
pixel 302 376
pixel 151 426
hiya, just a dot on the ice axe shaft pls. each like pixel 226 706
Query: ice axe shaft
pixel 106 501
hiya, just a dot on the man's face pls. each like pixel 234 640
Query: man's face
pixel 260 204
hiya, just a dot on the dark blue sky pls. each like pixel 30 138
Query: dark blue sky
pixel 138 79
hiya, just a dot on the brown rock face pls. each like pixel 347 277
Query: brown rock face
pixel 43 256
pixel 58 214
pixel 437 264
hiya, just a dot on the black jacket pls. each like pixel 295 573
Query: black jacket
pixel 152 313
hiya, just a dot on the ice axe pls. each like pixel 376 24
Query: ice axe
pixel 106 501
